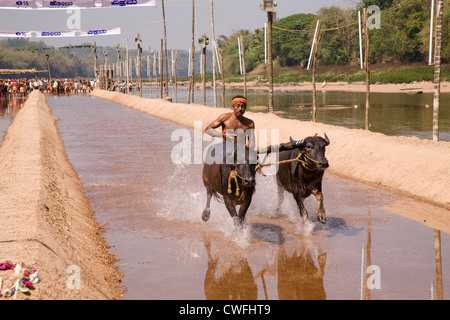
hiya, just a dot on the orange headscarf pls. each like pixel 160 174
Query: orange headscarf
pixel 235 100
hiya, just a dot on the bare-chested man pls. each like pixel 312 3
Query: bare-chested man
pixel 234 126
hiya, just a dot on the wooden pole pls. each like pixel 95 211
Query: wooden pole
pixel 161 68
pixel 269 47
pixel 437 68
pixel 175 74
pixel 166 88
pixel 366 34
pixel 127 69
pixel 150 72
pixel 314 63
pixel 191 79
pixel 204 69
pixel 223 77
pixel 430 50
pixel 213 48
pixel 243 66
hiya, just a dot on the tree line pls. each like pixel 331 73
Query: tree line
pixel 403 38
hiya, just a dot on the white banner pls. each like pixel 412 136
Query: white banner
pixel 59 34
pixel 80 4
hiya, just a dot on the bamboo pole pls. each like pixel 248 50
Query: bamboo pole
pixel 166 88
pixel 366 34
pixel 314 63
pixel 430 51
pixel 243 65
pixel 213 51
pixel 175 74
pixel 204 69
pixel 191 79
pixel 161 67
pixel 150 72
pixel 437 68
pixel 269 53
pixel 223 77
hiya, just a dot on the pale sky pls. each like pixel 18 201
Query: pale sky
pixel 229 16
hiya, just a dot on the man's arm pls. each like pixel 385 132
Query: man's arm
pixel 220 121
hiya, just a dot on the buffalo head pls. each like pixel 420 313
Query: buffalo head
pixel 244 161
pixel 314 150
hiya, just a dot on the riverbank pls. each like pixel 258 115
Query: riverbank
pixel 406 165
pixel 47 221
pixel 411 88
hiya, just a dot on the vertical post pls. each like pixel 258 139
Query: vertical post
pixel 430 53
pixel 437 68
pixel 96 61
pixel 191 79
pixel 314 63
pixel 119 74
pixel 127 69
pixel 223 77
pixel 360 41
pixel 150 72
pixel 243 65
pixel 269 45
pixel 175 74
pixel 166 88
pixel 139 71
pixel 366 34
pixel 213 51
pixel 204 69
pixel 161 71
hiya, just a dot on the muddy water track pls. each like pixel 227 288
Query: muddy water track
pixel 151 210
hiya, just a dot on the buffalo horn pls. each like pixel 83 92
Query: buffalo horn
pixel 327 141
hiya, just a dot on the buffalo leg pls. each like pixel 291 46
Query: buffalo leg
pixel 321 216
pixel 243 210
pixel 280 198
pixel 207 211
pixel 231 207
pixel 301 207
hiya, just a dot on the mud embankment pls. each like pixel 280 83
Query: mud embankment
pixel 46 220
pixel 406 165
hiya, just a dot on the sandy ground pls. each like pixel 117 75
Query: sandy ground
pixel 424 87
pixel 46 220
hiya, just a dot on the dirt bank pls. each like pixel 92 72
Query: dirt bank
pixel 417 87
pixel 407 165
pixel 46 220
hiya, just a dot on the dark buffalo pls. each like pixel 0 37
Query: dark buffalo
pixel 229 173
pixel 302 172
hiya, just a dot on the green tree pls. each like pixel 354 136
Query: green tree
pixel 289 47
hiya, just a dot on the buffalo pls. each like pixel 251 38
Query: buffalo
pixel 229 173
pixel 302 165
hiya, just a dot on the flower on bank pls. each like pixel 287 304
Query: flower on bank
pixel 28 277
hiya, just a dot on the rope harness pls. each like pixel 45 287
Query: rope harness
pixel 234 175
pixel 302 161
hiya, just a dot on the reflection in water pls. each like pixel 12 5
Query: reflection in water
pixel 9 106
pixel 235 281
pixel 437 257
pixel 298 276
